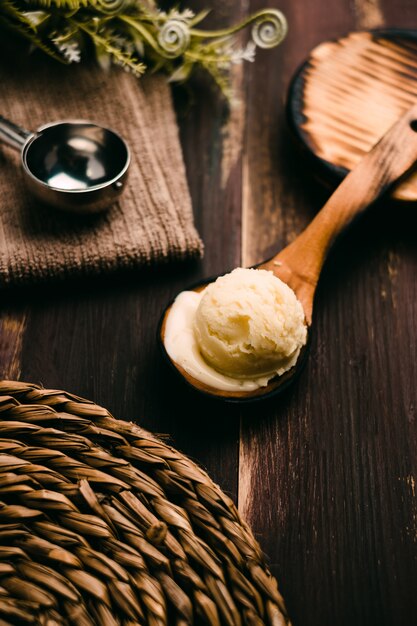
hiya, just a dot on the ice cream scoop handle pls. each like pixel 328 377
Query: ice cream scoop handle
pixel 300 263
pixel 12 134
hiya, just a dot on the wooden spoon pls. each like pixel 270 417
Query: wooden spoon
pixel 300 263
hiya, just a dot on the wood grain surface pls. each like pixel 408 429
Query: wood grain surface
pixel 326 473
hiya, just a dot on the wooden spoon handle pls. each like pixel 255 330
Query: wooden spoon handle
pixel 300 263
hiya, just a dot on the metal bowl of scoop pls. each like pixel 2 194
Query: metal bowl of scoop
pixel 73 165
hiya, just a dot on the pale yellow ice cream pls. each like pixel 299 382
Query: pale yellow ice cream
pixel 237 334
pixel 250 324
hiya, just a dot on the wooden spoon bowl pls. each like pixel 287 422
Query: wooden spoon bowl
pixel 278 382
pixel 299 264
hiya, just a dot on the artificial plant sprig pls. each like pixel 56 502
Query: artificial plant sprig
pixel 137 35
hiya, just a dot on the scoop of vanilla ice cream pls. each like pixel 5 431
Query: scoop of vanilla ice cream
pixel 249 323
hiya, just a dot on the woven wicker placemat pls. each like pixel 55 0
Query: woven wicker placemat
pixel 103 524
pixel 152 222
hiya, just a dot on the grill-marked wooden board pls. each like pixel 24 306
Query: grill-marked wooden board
pixel 349 92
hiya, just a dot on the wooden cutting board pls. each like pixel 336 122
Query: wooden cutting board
pixel 348 93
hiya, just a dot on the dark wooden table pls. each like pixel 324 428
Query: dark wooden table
pixel 325 474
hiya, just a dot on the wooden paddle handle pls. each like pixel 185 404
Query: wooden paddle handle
pixel 300 263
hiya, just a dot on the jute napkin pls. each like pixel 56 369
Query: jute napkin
pixel 153 220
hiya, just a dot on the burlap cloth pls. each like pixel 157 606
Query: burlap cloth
pixel 153 220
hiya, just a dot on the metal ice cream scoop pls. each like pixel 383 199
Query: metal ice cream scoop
pixel 73 165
